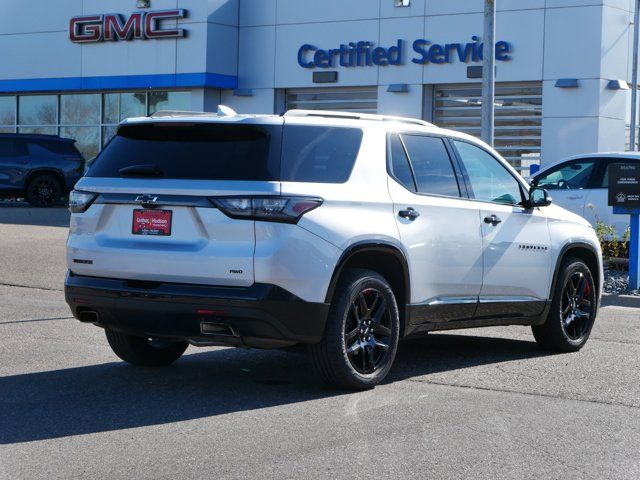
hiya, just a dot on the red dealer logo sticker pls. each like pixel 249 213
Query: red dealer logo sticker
pixel 113 26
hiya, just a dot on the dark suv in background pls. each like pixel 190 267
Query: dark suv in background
pixel 40 168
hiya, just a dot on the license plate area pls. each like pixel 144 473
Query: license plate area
pixel 151 222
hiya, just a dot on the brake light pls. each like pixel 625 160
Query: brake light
pixel 268 209
pixel 80 201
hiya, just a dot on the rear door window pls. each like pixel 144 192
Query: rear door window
pixel 432 165
pixel 58 147
pixel 11 147
pixel 193 151
pixel 319 154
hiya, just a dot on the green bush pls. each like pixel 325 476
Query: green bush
pixel 612 245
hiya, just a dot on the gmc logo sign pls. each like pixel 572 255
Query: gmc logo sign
pixel 111 27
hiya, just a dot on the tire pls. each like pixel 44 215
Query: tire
pixel 360 339
pixel 573 309
pixel 43 190
pixel 144 351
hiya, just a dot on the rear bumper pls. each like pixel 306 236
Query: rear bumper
pixel 262 315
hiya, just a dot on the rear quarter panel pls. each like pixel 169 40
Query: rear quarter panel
pixel 359 210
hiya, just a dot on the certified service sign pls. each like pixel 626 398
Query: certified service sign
pixel 624 185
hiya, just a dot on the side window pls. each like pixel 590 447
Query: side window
pixel 319 154
pixel 431 165
pixel 489 180
pixel 399 164
pixel 60 148
pixel 605 178
pixel 12 148
pixel 569 176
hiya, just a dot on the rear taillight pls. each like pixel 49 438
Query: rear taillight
pixel 80 201
pixel 268 209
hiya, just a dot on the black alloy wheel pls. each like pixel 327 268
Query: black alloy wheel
pixel 368 331
pixel 361 334
pixel 43 190
pixel 145 351
pixel 573 309
pixel 576 309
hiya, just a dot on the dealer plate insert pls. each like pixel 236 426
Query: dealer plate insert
pixel 151 222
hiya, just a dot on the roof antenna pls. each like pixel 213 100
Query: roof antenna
pixel 224 111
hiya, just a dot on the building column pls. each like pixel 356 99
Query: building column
pixel 401 104
pixel 588 116
pixel 205 99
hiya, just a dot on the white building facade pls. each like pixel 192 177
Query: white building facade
pixel 77 67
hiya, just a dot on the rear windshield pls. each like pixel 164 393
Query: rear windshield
pixel 230 152
pixel 189 151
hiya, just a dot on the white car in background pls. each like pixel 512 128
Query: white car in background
pixel 580 185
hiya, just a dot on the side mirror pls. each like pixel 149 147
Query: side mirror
pixel 538 197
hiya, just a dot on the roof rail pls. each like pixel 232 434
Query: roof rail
pixel 223 111
pixel 356 116
pixel 179 113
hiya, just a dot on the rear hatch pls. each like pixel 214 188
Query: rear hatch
pixel 153 218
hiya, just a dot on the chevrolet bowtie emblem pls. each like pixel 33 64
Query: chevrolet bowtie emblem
pixel 146 199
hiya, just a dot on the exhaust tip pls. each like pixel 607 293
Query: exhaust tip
pixel 219 329
pixel 88 316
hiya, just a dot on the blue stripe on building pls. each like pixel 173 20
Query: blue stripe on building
pixel 121 82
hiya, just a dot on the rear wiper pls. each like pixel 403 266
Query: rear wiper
pixel 146 170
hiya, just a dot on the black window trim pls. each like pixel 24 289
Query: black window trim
pixel 524 188
pixel 390 162
pixel 452 158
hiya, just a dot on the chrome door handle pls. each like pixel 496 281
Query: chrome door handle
pixel 410 213
pixel 576 198
pixel 493 220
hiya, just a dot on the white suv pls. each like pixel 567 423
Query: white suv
pixel 344 232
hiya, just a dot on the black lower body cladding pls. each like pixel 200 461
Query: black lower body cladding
pixel 261 315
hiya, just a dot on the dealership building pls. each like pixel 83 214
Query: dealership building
pixel 78 67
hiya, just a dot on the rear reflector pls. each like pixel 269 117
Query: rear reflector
pixel 210 312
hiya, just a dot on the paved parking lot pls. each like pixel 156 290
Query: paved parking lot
pixel 484 403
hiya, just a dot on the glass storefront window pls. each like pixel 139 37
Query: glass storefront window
pixel 132 105
pixel 38 109
pixel 111 108
pixel 108 133
pixel 118 106
pixel 78 115
pixel 169 101
pixel 87 139
pixel 7 110
pixel 83 109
